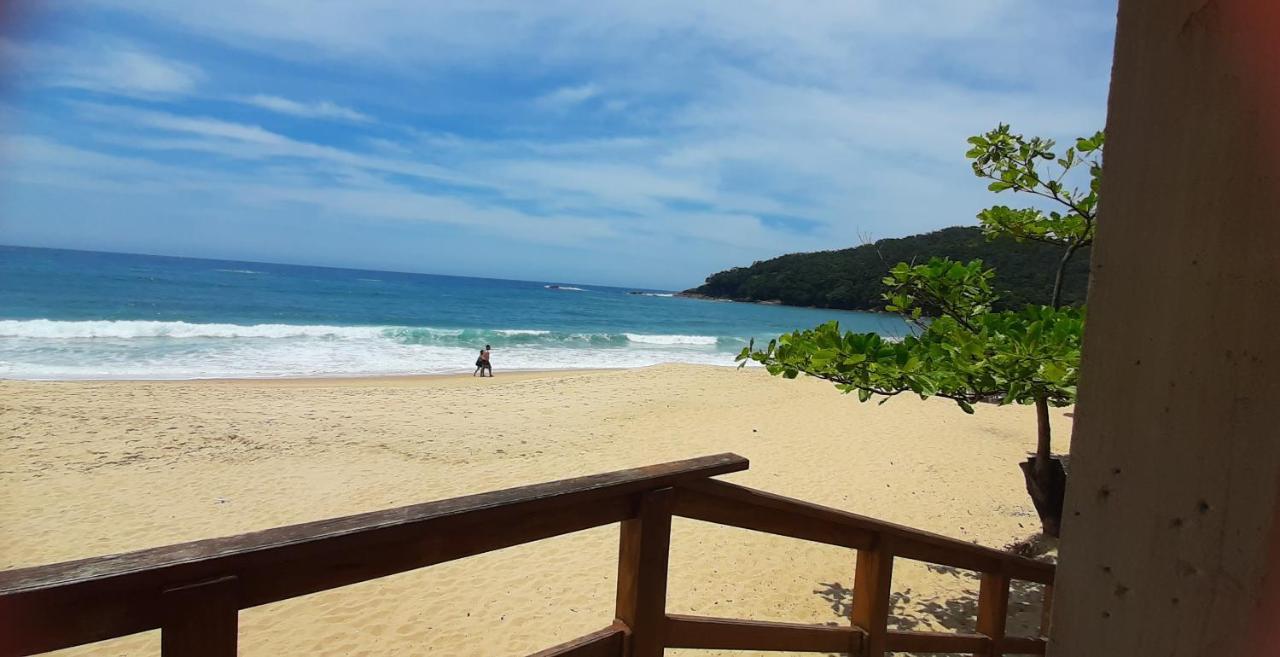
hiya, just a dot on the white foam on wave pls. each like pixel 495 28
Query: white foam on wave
pixel 128 329
pixel 291 358
pixel 238 271
pixel 104 349
pixel 641 338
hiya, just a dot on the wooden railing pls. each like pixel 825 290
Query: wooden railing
pixel 193 591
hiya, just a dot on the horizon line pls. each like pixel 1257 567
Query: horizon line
pixel 315 266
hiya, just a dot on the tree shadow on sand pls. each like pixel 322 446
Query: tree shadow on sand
pixel 913 611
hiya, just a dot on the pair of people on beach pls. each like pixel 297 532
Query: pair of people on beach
pixel 482 363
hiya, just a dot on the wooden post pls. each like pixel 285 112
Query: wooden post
pixel 872 586
pixel 200 620
pixel 1046 610
pixel 643 551
pixel 993 609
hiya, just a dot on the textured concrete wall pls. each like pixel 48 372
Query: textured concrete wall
pixel 1171 509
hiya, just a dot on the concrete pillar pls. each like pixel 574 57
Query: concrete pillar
pixel 1171 510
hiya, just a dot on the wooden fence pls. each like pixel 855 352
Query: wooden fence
pixel 193 591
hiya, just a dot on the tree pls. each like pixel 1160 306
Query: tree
pixel 961 349
pixel 1010 161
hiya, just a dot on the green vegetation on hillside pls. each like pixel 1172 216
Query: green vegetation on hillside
pixel 851 279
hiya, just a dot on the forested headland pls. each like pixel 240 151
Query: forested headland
pixel 850 279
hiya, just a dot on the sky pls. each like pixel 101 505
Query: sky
pixel 643 144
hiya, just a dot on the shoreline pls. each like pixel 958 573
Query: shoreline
pixel 354 378
pixel 776 302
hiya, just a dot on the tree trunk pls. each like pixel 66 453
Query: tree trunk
pixel 1044 438
pixel 1045 476
pixel 1057 279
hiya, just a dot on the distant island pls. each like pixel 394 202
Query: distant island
pixel 849 279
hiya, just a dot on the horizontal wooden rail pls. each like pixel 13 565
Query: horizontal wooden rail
pixel 61 605
pixel 738 506
pixel 979 644
pixel 1016 645
pixel 609 642
pixel 733 634
pixel 736 634
pixel 938 642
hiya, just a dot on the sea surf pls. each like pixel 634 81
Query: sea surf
pixel 88 315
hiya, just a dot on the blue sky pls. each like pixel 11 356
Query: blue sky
pixel 636 144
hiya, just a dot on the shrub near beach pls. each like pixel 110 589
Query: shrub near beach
pixel 961 349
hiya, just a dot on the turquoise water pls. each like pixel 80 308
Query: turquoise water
pixel 78 315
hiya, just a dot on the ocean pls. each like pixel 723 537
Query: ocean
pixel 89 315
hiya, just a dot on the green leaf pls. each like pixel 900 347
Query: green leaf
pixel 1053 372
pixel 822 357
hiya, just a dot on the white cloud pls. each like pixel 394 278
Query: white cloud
pixel 315 110
pixel 357 196
pixel 566 97
pixel 250 143
pixel 667 124
pixel 656 42
pixel 119 68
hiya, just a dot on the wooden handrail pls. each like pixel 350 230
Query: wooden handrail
pixel 734 634
pixel 194 591
pixel 724 503
pixel 609 642
pixel 61 605
pixel 878 543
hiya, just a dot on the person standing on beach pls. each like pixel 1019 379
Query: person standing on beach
pixel 485 365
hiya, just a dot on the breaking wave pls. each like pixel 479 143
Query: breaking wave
pixel 42 348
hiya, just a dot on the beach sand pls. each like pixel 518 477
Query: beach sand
pixel 92 468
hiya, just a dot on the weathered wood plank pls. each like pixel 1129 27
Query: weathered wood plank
pixel 644 548
pixel 732 634
pixel 872 586
pixel 937 642
pixel 607 642
pixel 908 543
pixel 201 620
pixel 62 605
pixel 977 644
pixel 764 517
pixel 993 610
pixel 1046 610
pixel 1022 646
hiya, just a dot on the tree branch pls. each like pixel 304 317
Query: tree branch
pixel 1053 196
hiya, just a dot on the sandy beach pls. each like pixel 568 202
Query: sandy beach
pixel 91 468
